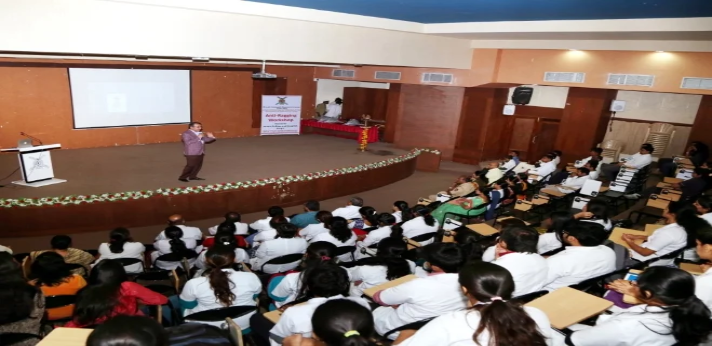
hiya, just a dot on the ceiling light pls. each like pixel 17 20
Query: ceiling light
pixel 574 50
pixel 659 51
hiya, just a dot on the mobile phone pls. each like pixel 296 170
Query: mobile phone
pixel 631 277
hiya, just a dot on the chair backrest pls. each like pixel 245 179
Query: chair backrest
pixel 235 332
pixel 221 314
pixel 611 148
pixel 423 237
pixel 59 301
pixel 660 135
pixel 286 259
pixel 130 261
pixel 161 281
pixel 342 250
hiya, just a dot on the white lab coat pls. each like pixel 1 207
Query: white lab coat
pixel 327 237
pixel 418 299
pixel 458 327
pixel 545 168
pixel 640 325
pixel 333 110
pixel 375 236
pixel 313 230
pixel 638 161
pixel 703 287
pixel 575 183
pixel 579 263
pixel 509 165
pixel 349 212
pixel 275 248
pixel 370 276
pixel 417 226
pixel 548 242
pixel 287 289
pixel 240 256
pixel 188 233
pixel 245 286
pixel 263 224
pixel 241 228
pixel 529 271
pixel 663 241
pixel 164 247
pixel 131 250
pixel 398 215
pixel 582 162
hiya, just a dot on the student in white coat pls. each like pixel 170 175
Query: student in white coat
pixel 329 282
pixel 555 224
pixel 350 211
pixel 121 245
pixel 546 167
pixel 366 221
pixel 491 318
pixel 422 223
pixel 221 287
pixel 596 211
pixel 338 322
pixel 189 232
pixel 224 239
pixel 583 258
pixel 387 265
pixel 574 182
pixel 312 230
pixel 265 227
pixel 386 228
pixel 175 244
pixel 340 235
pixel 594 169
pixel 703 282
pixel 286 243
pixel 681 221
pixel 241 228
pixel 595 155
pixel 670 314
pixel 703 204
pixel 516 252
pixel 423 298
pixel 401 211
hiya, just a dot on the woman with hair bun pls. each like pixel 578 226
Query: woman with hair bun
pixel 338 322
pixel 121 245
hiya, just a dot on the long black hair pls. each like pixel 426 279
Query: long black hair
pixel 686 216
pixel 386 219
pixel 674 289
pixel 421 210
pixel 17 295
pixel 117 238
pixel 174 235
pixel 598 208
pixel 101 295
pixel 390 254
pixel 369 214
pixel 225 239
pixel 217 258
pixel 327 281
pixel 49 269
pixel 472 244
pixel 128 330
pixel 339 229
pixel 318 254
pixel 507 323
pixel 343 322
pixel 705 203
pixel 402 206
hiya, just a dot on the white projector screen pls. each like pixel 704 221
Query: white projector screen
pixel 124 97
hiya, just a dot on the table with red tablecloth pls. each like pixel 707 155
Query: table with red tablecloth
pixel 338 130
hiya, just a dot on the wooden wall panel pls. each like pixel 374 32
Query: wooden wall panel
pixel 360 101
pixel 260 87
pixel 394 110
pixel 221 100
pixel 480 123
pixel 702 128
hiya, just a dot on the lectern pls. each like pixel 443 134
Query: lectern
pixel 36 165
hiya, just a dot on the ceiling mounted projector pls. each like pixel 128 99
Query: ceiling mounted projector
pixel 263 74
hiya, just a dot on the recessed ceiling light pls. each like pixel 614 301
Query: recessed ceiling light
pixel 659 51
pixel 574 50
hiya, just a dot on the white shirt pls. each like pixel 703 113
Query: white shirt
pixel 640 325
pixel 188 233
pixel 312 231
pixel 417 226
pixel 493 175
pixel 418 299
pixel 593 175
pixel 5 249
pixel 245 286
pixel 703 287
pixel 707 217
pixel 375 236
pixel 398 215
pixel 579 263
pixel 241 228
pixel 327 237
pixel 263 224
pixel 163 247
pixel 556 160
pixel 457 328
pixel 131 250
pixel 575 183
pixel 287 289
pixel 545 168
pixel 529 271
pixel 275 248
pixel 509 165
pixel 663 241
pixel 370 276
pixel 297 319
pixel 240 256
pixel 638 161
pixel 349 212
pixel 333 110
pixel 582 162
pixel 548 242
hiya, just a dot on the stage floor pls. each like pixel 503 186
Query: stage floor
pixel 153 166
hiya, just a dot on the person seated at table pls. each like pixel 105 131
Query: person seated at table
pixel 554 225
pixel 313 230
pixel 338 322
pixel 121 245
pixel 308 217
pixel 235 218
pixel 62 244
pixel 367 221
pixel 595 155
pixel 226 227
pixel 463 186
pixel 421 223
pixel 23 304
pixel 387 265
pixel 703 282
pixel 328 282
pixel 49 272
pixel 285 243
pixel 498 194
pixel 583 258
pixel 350 211
pixel 594 169
pixel 670 314
pixel 492 319
pixel 333 111
pixel 518 185
pixel 696 152
pixel 703 205
pixel 401 211
pixel 110 293
pixel 489 175
pixel 339 234
pixel 189 232
pixel 426 297
pixel 641 159
pixel 678 233
pixel 462 206
pixel 596 211
pixel 573 183
pixel 175 244
pixel 511 162
pixel 516 252
pixel 265 225
pixel 543 170
pixel 557 157
pixel 129 330
pixel 386 228
pixel 220 287
pixel 268 233
pixel 225 239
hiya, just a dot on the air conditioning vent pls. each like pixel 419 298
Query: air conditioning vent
pixel 565 77
pixel 696 83
pixel 387 75
pixel 631 79
pixel 343 73
pixel 437 78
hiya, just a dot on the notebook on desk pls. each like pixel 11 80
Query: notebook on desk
pixel 567 306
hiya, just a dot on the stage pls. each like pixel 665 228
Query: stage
pixel 138 185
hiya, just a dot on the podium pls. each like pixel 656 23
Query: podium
pixel 36 165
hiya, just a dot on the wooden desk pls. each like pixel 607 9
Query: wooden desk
pixel 483 229
pixel 694 269
pixel 503 218
pixel 370 292
pixel 567 306
pixel 66 337
pixel 273 316
pixel 553 191
pixel 672 180
pixel 618 232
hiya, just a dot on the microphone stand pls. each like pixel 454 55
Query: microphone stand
pixel 33 138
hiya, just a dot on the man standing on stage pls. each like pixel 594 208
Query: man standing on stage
pixel 194 149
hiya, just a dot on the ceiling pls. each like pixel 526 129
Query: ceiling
pixel 456 11
pixel 607 36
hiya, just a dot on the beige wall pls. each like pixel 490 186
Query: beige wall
pixel 659 107
pixel 329 89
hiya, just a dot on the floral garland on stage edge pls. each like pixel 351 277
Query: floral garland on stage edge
pixel 134 195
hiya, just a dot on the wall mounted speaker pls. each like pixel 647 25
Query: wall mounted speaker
pixel 522 95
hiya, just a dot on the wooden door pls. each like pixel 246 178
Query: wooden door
pixel 521 135
pixel 544 138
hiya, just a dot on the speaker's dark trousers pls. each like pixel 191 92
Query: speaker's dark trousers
pixel 192 166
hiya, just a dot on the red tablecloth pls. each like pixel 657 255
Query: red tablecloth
pixel 372 132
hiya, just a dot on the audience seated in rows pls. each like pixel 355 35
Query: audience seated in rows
pixel 401 211
pixel 338 234
pixel 350 211
pixel 308 217
pixel 189 232
pixel 235 218
pixel 421 223
pixel 545 168
pixel 121 245
pixel 50 273
pixel 23 304
pixel 225 239
pixel 285 243
pixel 594 155
pixel 62 244
pixel 463 186
pixel 639 160
pixel 387 265
pixel 511 162
pixel 265 228
pixel 516 252
pixel 462 206
pixel 311 231
pixel 174 243
pixel 387 227
pixel 366 220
